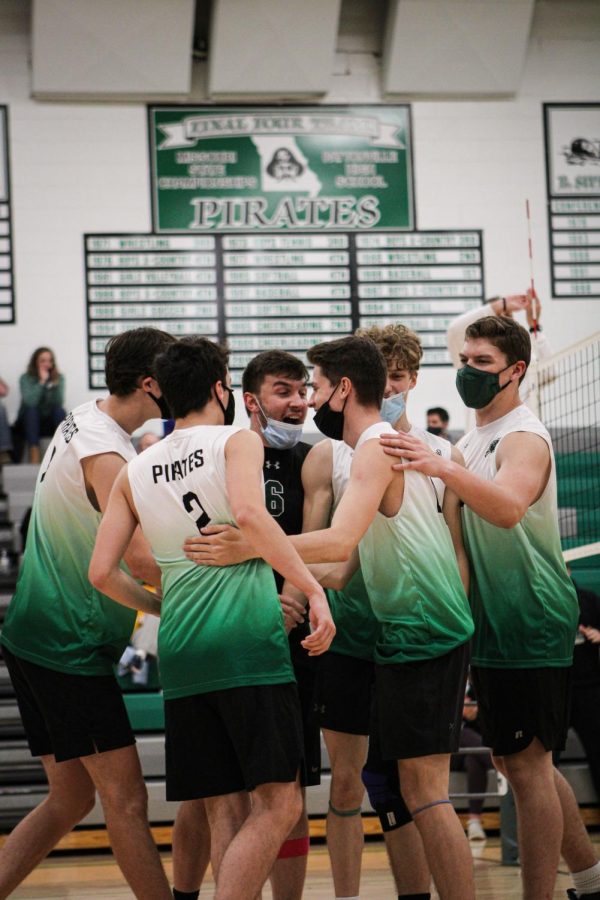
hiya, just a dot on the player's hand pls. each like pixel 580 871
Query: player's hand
pixel 533 310
pixel 321 623
pixel 516 302
pixel 590 634
pixel 218 545
pixel 293 611
pixel 414 454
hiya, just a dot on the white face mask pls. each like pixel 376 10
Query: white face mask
pixel 280 435
pixel 393 408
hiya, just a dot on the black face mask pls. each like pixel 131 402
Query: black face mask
pixel 435 429
pixel 229 410
pixel 165 412
pixel 328 421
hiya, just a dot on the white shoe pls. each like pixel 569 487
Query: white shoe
pixel 474 831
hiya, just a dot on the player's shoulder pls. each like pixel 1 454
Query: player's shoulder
pixel 438 444
pixel 93 432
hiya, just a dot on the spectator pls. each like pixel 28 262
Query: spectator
pixel 5 435
pixel 42 393
pixel 438 421
pixel 476 765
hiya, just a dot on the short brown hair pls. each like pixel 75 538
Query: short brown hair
pixel 131 355
pixel 396 342
pixel 356 358
pixel 272 362
pixel 504 333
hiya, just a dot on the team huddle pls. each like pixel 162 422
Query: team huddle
pixel 345 587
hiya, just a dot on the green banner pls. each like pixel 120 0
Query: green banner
pixel 281 168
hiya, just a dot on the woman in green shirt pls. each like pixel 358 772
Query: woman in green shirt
pixel 42 394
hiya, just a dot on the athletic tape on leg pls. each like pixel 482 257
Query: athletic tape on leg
pixel 421 809
pixel 294 847
pixel 344 813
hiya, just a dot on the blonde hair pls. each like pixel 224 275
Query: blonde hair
pixel 397 343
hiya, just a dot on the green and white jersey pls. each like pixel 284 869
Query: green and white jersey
pixel 412 576
pixel 220 627
pixel 56 618
pixel 357 628
pixel 524 604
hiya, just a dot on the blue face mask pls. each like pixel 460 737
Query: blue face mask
pixel 393 408
pixel 280 435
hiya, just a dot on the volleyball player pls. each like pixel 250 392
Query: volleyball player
pixel 61 637
pixel 347 670
pixel 524 604
pixel 231 708
pixel 275 390
pixel 413 581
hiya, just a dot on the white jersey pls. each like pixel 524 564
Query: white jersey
pixel 343 455
pixel 440 446
pixel 178 485
pixel 340 475
pixel 523 602
pixel 56 618
pixel 411 573
pixel 220 627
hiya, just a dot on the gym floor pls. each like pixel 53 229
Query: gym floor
pixel 93 876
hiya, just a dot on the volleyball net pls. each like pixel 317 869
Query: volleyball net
pixel 567 386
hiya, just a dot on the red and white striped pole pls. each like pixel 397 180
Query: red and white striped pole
pixel 533 293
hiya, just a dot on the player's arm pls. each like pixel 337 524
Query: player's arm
pixel 317 474
pixel 117 527
pixel 244 456
pixel 523 469
pixel 369 478
pixel 100 473
pixel 451 511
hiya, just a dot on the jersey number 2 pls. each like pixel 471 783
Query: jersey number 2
pixel 192 506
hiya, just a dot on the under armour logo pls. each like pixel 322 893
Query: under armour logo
pixel 518 734
pixel 274 465
pixel 439 452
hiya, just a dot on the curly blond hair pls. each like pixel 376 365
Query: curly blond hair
pixel 400 346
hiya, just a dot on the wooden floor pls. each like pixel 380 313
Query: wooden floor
pixel 94 877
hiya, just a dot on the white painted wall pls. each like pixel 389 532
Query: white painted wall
pixel 84 167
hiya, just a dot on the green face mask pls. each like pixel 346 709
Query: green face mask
pixel 477 388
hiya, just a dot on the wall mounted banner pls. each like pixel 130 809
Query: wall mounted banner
pixel 572 132
pixel 317 168
pixel 7 294
pixel 280 290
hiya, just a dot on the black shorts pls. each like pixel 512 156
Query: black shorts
pixel 345 693
pixel 419 705
pixel 518 705
pixel 67 715
pixel 305 670
pixel 233 740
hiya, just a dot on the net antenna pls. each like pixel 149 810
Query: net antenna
pixel 534 301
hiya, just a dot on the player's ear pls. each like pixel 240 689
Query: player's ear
pixel 150 385
pixel 250 402
pixel 413 380
pixel 345 386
